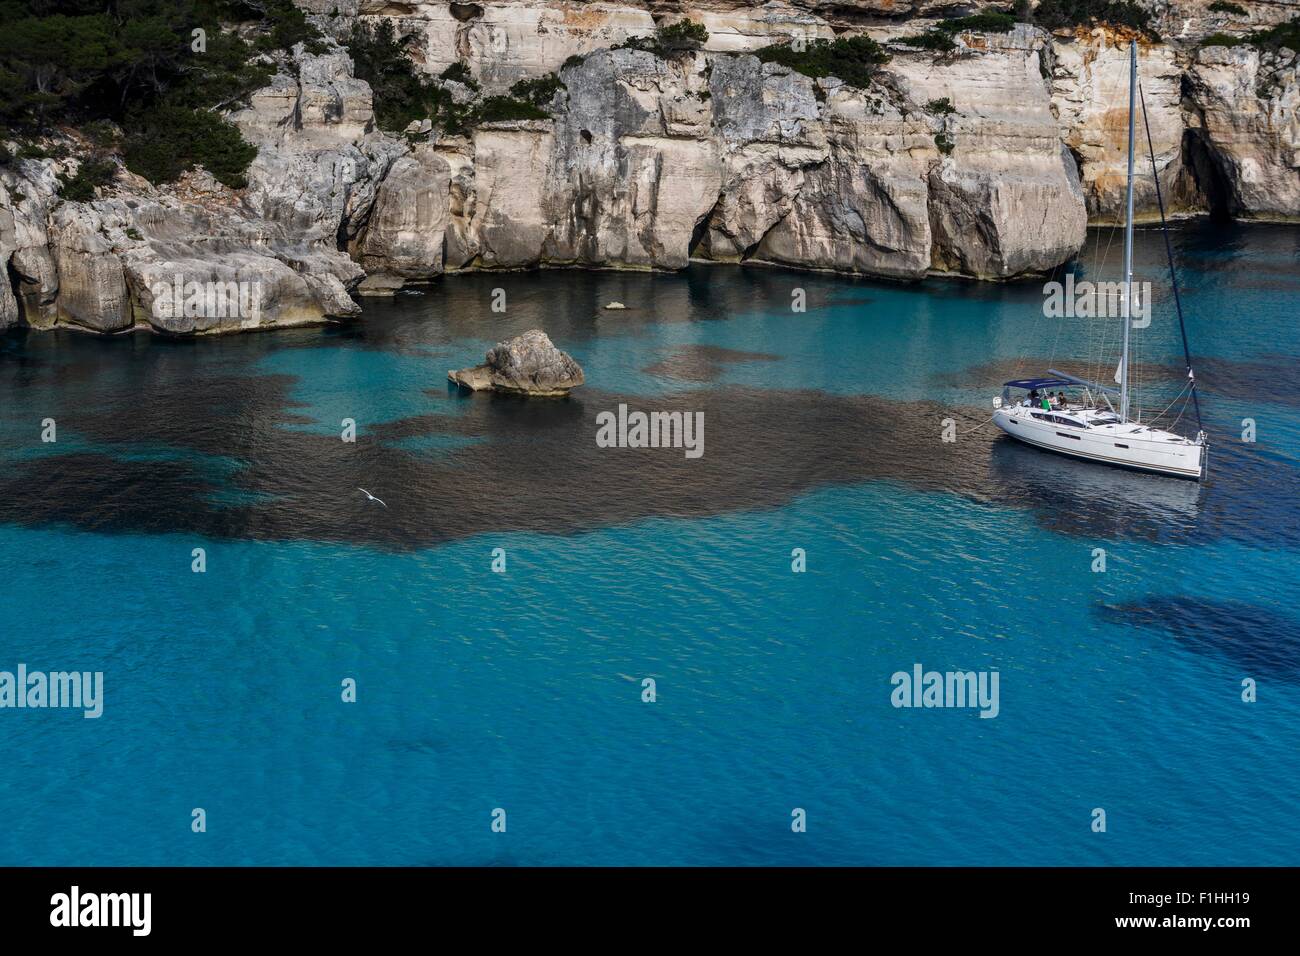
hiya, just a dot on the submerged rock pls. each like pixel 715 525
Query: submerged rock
pixel 528 364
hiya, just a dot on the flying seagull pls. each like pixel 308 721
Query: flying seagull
pixel 370 496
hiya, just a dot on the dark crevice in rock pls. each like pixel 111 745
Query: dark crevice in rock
pixel 464 12
pixel 14 280
pixel 699 245
pixel 1208 176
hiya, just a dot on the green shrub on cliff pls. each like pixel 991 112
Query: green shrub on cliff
pixel 1223 6
pixel 980 23
pixel 1060 14
pixel 496 109
pixel 401 95
pixel 167 141
pixel 680 36
pixel 159 69
pixel 940 38
pixel 1283 35
pixel 1223 39
pixel 937 41
pixel 668 41
pixel 80 187
pixel 539 90
pixel 459 72
pixel 288 25
pixel 852 59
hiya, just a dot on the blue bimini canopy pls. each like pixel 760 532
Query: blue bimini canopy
pixel 1031 383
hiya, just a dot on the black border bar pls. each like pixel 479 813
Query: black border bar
pixel 333 905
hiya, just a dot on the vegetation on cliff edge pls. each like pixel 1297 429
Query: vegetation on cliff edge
pixel 1283 35
pixel 1061 14
pixel 852 59
pixel 159 69
pixel 403 95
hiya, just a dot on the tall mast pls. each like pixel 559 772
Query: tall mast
pixel 1128 233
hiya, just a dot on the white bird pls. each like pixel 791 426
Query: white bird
pixel 370 496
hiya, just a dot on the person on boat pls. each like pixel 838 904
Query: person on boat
pixel 1033 398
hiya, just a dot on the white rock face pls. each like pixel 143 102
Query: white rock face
pixel 319 157
pixel 1248 111
pixel 510 219
pixel 767 118
pixel 505 42
pixel 1090 96
pixel 621 177
pixel 27 194
pixel 742 29
pixel 635 166
pixel 112 264
pixel 405 232
pixel 646 161
pixel 1189 21
pixel 92 283
pixel 864 209
pixel 1006 199
pixel 8 301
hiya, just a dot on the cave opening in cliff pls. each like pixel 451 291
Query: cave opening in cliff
pixel 1207 173
pixel 465 12
pixel 15 284
pixel 697 248
pixel 1077 158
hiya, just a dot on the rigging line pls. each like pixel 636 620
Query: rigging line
pixel 1165 411
pixel 1060 322
pixel 1169 253
pixel 1099 366
pixel 1097 334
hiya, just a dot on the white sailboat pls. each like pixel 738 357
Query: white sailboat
pixel 1088 424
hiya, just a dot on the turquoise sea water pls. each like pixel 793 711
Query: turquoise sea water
pixel 522 691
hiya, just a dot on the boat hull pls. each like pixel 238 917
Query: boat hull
pixel 1119 447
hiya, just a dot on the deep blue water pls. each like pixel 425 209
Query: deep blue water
pixel 522 690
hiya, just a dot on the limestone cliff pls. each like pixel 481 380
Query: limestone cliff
pixel 986 160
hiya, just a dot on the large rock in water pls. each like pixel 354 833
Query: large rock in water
pixel 528 364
